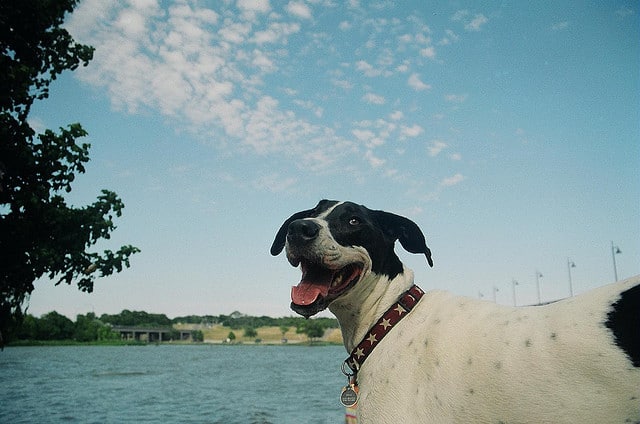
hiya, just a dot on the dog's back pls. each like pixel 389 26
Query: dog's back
pixel 462 360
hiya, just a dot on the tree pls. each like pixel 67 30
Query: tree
pixel 53 326
pixel 197 336
pixel 40 235
pixel 313 328
pixel 250 332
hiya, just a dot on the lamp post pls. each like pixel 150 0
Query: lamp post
pixel 570 264
pixel 538 275
pixel 495 290
pixel 514 283
pixel 614 251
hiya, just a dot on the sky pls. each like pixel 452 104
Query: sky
pixel 508 131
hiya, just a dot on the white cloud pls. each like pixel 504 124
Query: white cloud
pixel 366 68
pixel 453 180
pixel 558 26
pixel 233 32
pixel 299 9
pixel 412 131
pixel 470 24
pixel 373 160
pixel 624 12
pixel 179 63
pixel 344 25
pixel 460 15
pixel 340 83
pixel 415 83
pixel 250 8
pixel 374 99
pixel 436 147
pixel 276 32
pixel 363 135
pixel 396 115
pixel 403 67
pixel 451 37
pixel 455 156
pixel 262 61
pixel 429 52
pixel 455 98
pixel 476 23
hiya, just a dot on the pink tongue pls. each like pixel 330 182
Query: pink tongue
pixel 307 292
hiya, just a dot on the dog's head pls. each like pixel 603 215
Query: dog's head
pixel 337 244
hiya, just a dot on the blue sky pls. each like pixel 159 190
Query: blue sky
pixel 508 131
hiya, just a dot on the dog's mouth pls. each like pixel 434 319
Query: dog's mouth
pixel 320 285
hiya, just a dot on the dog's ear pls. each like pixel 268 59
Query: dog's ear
pixel 281 236
pixel 405 231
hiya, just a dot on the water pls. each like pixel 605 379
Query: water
pixel 171 384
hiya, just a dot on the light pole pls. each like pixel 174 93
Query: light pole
pixel 514 283
pixel 538 275
pixel 495 290
pixel 614 251
pixel 570 264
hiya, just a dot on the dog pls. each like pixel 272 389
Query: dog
pixel 452 359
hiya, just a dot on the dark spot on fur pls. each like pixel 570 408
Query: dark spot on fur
pixel 471 391
pixel 436 321
pixel 554 336
pixel 498 365
pixel 528 343
pixel 624 320
pixel 426 342
pixel 470 361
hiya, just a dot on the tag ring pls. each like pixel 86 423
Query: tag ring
pixel 346 367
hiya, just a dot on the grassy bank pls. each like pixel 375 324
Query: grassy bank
pixel 267 335
pixel 214 334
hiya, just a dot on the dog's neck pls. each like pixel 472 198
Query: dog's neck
pixel 359 309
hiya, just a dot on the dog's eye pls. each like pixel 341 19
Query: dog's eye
pixel 354 221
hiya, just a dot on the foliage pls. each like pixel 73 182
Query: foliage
pixel 313 328
pixel 40 235
pixel 90 328
pixel 250 332
pixel 284 329
pixel 243 321
pixel 197 336
pixel 137 319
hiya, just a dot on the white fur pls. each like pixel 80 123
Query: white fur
pixel 460 360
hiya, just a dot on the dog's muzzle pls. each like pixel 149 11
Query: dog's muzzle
pixel 324 275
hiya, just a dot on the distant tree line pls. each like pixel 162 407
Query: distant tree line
pixel 90 328
pixel 54 326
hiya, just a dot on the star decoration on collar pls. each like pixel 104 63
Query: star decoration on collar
pixel 400 310
pixel 372 338
pixel 359 353
pixel 385 323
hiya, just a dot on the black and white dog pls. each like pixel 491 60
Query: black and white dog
pixel 453 359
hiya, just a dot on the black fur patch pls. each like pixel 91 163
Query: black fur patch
pixel 624 322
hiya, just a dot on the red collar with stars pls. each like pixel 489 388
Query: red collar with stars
pixel 394 314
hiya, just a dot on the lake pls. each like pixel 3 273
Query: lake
pixel 172 384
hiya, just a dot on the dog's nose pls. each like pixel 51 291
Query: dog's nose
pixel 303 231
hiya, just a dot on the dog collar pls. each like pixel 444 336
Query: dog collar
pixel 387 321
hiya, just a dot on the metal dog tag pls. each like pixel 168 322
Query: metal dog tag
pixel 349 395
